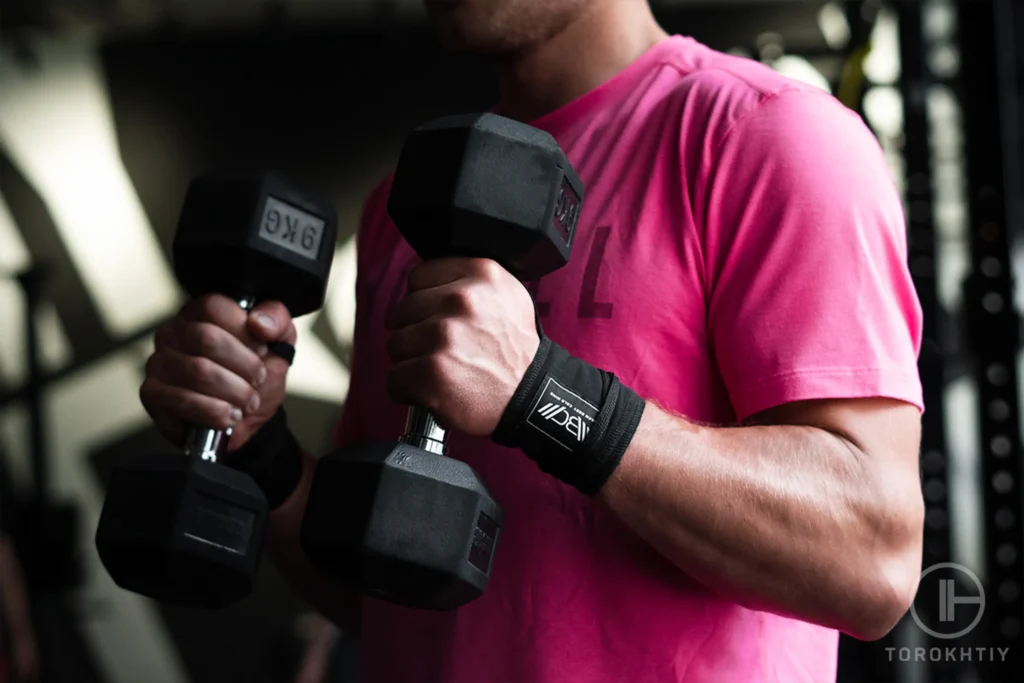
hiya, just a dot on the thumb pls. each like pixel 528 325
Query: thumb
pixel 271 321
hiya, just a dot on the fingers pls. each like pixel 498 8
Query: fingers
pixel 442 286
pixel 415 307
pixel 219 310
pixel 204 376
pixel 210 364
pixel 163 400
pixel 271 321
pixel 420 339
pixel 442 271
pixel 217 328
pixel 268 321
pixel 453 299
pixel 172 429
pixel 200 373
pixel 207 340
pixel 417 372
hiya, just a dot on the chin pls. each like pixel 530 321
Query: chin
pixel 463 45
pixel 457 31
pixel 483 46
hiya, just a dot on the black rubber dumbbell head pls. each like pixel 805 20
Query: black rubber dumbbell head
pixel 255 236
pixel 394 521
pixel 182 531
pixel 401 524
pixel 485 186
pixel 180 528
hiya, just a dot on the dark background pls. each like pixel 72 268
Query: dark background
pixel 326 92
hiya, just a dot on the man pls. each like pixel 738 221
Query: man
pixel 740 264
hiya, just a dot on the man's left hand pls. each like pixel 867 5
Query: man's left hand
pixel 462 339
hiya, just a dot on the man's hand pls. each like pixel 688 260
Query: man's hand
pixel 461 341
pixel 211 368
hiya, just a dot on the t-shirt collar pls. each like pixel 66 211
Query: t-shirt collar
pixel 557 121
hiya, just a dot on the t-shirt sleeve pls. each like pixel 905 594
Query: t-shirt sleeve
pixel 809 293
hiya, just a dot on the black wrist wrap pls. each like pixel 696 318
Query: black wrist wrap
pixel 573 420
pixel 272 457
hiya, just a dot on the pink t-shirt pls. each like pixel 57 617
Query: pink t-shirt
pixel 741 246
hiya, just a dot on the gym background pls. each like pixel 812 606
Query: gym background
pixel 109 107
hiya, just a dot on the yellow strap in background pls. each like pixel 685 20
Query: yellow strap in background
pixel 851 82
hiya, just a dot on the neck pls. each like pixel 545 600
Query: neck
pixel 594 48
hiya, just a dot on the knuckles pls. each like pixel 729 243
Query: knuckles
pixel 146 394
pixel 202 371
pixel 444 333
pixel 435 336
pixel 430 387
pixel 435 372
pixel 424 383
pixel 209 307
pixel 488 270
pixel 206 338
pixel 462 301
pixel 164 335
pixel 152 366
pixel 435 385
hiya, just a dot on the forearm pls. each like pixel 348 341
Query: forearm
pixel 338 605
pixel 786 519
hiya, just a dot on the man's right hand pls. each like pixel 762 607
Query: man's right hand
pixel 211 368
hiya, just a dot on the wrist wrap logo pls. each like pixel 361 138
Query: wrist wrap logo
pixel 562 415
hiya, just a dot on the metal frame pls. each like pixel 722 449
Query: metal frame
pixel 987 65
pixel 914 84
